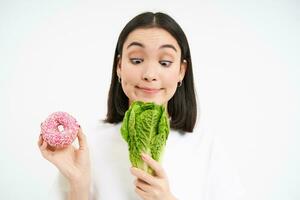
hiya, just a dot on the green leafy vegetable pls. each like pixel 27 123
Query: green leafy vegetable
pixel 145 128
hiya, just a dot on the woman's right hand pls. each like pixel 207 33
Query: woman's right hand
pixel 73 163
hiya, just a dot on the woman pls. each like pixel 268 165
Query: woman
pixel 152 63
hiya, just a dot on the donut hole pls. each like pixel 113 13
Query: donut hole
pixel 60 128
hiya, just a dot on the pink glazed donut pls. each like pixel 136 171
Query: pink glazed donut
pixel 59 129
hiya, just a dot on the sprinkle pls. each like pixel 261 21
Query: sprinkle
pixel 52 129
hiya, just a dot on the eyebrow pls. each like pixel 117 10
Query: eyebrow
pixel 143 46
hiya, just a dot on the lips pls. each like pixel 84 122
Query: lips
pixel 148 89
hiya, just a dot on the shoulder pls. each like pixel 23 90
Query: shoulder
pixel 198 140
pixel 195 147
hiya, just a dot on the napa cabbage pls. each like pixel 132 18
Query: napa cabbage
pixel 145 128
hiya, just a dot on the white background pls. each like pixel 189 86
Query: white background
pixel 57 55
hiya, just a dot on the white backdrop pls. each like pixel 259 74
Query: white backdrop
pixel 57 55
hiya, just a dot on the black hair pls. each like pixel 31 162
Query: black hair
pixel 182 107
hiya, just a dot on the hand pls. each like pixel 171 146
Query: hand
pixel 151 187
pixel 73 163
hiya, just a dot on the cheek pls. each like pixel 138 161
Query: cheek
pixel 170 80
pixel 129 77
pixel 129 81
pixel 170 84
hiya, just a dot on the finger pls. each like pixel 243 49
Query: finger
pixel 51 148
pixel 43 148
pixel 159 171
pixel 81 140
pixel 40 141
pixel 142 185
pixel 140 174
pixel 141 193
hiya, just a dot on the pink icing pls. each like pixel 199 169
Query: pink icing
pixel 51 133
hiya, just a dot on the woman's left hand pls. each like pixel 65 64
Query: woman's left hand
pixel 151 187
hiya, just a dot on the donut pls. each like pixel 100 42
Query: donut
pixel 59 129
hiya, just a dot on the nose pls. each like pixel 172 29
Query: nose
pixel 150 73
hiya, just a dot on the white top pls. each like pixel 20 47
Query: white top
pixel 196 164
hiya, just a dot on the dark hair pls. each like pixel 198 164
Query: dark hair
pixel 182 106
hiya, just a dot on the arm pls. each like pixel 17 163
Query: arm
pixel 79 191
pixel 73 163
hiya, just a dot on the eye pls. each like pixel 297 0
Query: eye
pixel 165 63
pixel 136 61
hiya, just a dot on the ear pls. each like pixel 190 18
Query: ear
pixel 119 66
pixel 182 71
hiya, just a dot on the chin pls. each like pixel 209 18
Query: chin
pixel 156 101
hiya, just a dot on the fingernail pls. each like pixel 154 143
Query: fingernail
pixel 144 156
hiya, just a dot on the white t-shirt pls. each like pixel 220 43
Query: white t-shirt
pixel 196 164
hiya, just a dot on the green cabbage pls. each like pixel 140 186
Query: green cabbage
pixel 145 128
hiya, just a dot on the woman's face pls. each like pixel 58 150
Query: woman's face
pixel 150 66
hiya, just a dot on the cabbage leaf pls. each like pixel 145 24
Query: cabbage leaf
pixel 145 128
